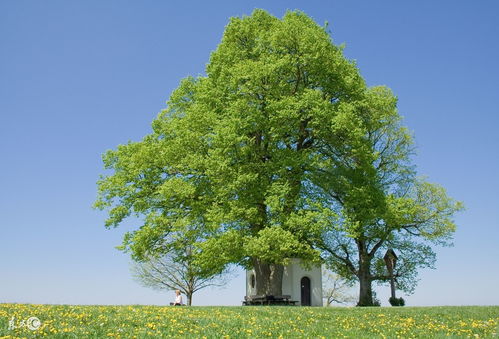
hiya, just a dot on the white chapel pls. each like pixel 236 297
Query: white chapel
pixel 304 286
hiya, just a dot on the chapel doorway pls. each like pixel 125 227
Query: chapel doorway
pixel 305 292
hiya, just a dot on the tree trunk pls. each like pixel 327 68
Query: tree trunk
pixel 189 298
pixel 366 291
pixel 365 280
pixel 268 278
pixel 275 279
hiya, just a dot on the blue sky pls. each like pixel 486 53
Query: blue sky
pixel 80 77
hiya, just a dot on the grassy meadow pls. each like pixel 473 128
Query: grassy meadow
pixel 68 321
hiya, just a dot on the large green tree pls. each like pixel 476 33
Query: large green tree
pixel 376 202
pixel 232 150
pixel 273 154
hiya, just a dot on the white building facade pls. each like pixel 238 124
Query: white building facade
pixel 303 285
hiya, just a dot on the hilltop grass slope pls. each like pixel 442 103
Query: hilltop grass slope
pixel 135 321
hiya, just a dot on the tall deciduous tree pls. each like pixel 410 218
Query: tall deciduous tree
pixel 378 203
pixel 279 151
pixel 233 149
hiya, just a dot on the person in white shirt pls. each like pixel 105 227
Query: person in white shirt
pixel 178 298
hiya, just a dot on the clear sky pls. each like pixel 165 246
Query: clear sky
pixel 80 77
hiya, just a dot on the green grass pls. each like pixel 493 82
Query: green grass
pixel 67 321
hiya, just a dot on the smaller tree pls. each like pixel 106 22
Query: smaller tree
pixel 173 272
pixel 335 288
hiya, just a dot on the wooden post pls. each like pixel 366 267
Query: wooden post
pixel 390 261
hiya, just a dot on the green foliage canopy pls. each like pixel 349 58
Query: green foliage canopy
pixel 279 151
pixel 233 150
